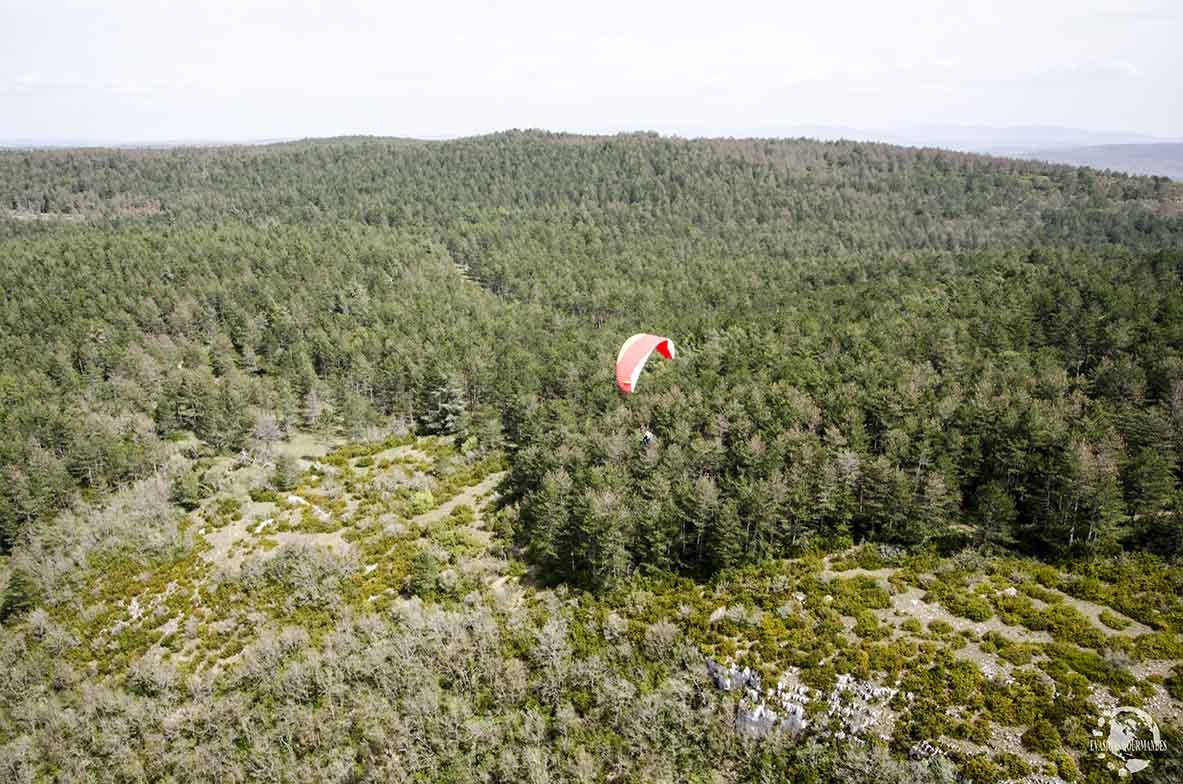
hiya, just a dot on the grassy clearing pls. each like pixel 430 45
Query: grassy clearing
pixel 201 605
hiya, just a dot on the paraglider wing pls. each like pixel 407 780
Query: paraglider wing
pixel 635 353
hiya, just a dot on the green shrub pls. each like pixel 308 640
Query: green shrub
pixel 658 640
pixel 187 491
pixel 1012 765
pixel 865 557
pixel 1035 592
pixel 286 473
pixel 462 515
pixel 21 594
pixel 1174 684
pixel 1065 765
pixel 229 507
pixel 1077 730
pixel 1047 576
pixel 1019 702
pixel 868 627
pixel 858 593
pixel 979 730
pixel 963 680
pixel 1016 653
pixel 960 602
pixel 424 577
pixel 980 770
pixel 1019 611
pixel 819 677
pixel 421 502
pixel 940 627
pixel 1042 736
pixel 264 496
pixel 1088 588
pixel 1158 645
pixel 1114 621
pixel 1088 664
pixel 1067 624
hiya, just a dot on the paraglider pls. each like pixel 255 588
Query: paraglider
pixel 635 353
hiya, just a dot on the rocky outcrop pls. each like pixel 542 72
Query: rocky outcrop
pixel 859 709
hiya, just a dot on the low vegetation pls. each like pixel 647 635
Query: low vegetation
pixel 303 631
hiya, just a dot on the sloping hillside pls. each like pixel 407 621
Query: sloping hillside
pixel 371 622
pixel 312 466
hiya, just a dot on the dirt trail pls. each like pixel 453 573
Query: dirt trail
pixel 879 574
pixel 222 541
pixel 506 589
pixel 302 443
pixel 468 496
pixel 1093 612
pixel 332 540
pixel 401 451
pixel 829 573
pixel 911 604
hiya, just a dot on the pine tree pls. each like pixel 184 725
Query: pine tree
pixel 996 512
pixel 446 411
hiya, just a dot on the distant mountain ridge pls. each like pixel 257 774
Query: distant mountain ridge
pixel 1164 160
pixel 979 138
pixel 996 140
pixel 1121 151
pixel 158 144
pixel 1132 153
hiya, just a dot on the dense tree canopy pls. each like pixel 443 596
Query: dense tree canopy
pixel 875 342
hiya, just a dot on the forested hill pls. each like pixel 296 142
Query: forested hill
pixel 876 342
pixel 806 194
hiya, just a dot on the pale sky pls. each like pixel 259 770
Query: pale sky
pixel 134 70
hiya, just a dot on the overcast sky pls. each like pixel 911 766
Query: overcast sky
pixel 134 70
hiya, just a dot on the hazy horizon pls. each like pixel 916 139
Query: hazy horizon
pixel 1053 136
pixel 130 71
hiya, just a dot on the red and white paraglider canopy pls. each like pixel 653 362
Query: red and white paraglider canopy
pixel 635 353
